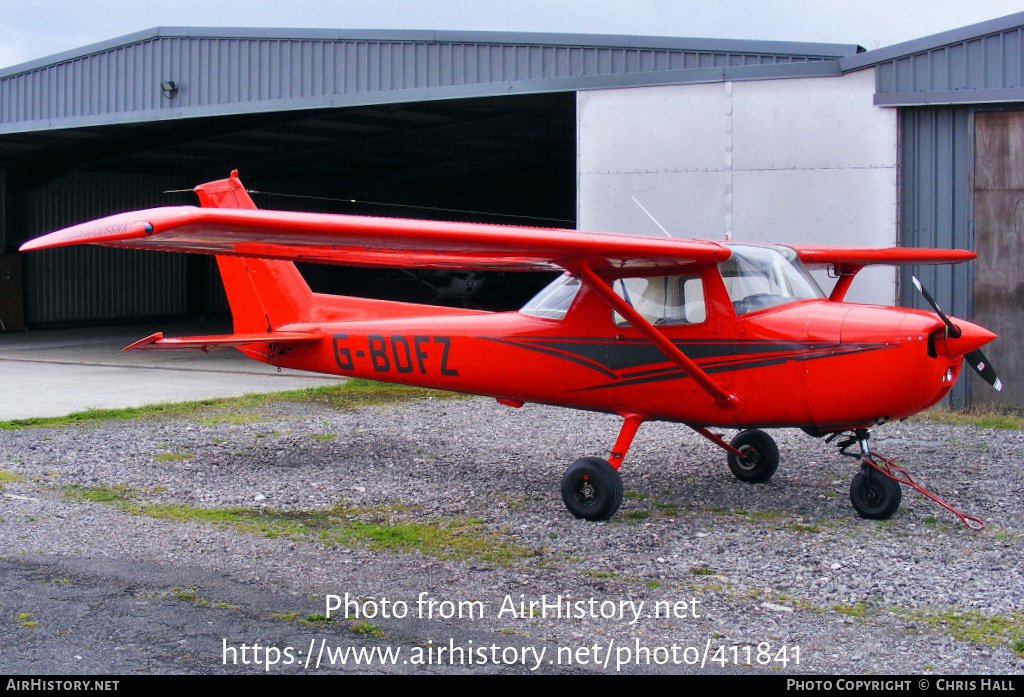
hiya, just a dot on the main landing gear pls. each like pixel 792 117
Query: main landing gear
pixel 592 487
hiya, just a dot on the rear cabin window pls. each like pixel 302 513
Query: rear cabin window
pixel 554 300
pixel 663 299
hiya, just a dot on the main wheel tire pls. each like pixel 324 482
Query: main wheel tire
pixel 875 496
pixel 592 489
pixel 760 456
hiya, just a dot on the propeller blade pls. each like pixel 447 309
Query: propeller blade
pixel 977 360
pixel 951 329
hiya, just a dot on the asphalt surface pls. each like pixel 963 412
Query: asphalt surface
pixel 58 372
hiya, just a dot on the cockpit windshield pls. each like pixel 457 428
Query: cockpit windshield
pixel 554 301
pixel 762 276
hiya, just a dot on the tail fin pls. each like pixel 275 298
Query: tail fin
pixel 262 293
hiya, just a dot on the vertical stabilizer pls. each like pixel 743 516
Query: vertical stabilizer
pixel 263 293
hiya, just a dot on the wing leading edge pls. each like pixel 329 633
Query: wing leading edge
pixel 365 241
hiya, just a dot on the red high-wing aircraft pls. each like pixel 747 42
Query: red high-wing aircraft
pixel 700 332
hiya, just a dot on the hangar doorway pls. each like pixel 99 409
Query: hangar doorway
pixel 998 190
pixel 507 159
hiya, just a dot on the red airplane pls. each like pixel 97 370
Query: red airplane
pixel 704 333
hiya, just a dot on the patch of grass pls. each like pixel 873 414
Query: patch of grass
pixel 189 594
pixel 9 478
pixel 858 610
pixel 702 571
pixel 375 528
pixel 323 436
pixel 599 574
pixel 115 494
pixel 366 628
pixel 227 606
pixel 977 628
pixel 800 527
pixel 171 457
pixel 232 417
pixel 318 618
pixel 447 538
pixel 286 616
pixel 654 584
pixel 25 620
pixel 351 394
pixel 984 417
pixel 768 515
pixel 667 509
pixel 634 495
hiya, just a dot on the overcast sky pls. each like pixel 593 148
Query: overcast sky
pixel 32 29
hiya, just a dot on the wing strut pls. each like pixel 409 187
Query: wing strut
pixel 727 401
pixel 844 274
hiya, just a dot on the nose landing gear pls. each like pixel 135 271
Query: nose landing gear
pixel 875 491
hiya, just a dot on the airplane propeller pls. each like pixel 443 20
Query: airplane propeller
pixel 975 358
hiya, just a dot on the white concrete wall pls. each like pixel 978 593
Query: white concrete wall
pixel 803 160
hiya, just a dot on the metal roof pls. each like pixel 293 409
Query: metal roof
pixel 220 71
pixel 981 63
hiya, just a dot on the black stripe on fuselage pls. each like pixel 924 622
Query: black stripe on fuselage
pixel 638 361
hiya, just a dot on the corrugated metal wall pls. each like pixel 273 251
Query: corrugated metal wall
pixel 935 208
pixel 995 61
pixel 213 71
pixel 93 283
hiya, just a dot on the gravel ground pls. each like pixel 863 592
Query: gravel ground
pixel 779 578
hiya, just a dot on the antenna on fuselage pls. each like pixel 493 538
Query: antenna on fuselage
pixel 653 219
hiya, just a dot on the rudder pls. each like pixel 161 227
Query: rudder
pixel 263 293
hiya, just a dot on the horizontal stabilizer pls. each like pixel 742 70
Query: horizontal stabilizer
pixel 157 342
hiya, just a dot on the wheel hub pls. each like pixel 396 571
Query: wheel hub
pixel 751 457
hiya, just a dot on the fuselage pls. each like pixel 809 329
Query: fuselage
pixel 808 363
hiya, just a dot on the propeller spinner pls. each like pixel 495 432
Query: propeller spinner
pixel 965 343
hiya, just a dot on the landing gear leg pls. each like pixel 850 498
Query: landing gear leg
pixel 592 487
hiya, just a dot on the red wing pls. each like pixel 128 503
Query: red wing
pixel 365 241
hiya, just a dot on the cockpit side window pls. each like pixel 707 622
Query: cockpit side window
pixel 663 299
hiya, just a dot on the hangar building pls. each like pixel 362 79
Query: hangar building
pixel 763 141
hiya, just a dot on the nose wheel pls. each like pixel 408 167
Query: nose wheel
pixel 875 495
